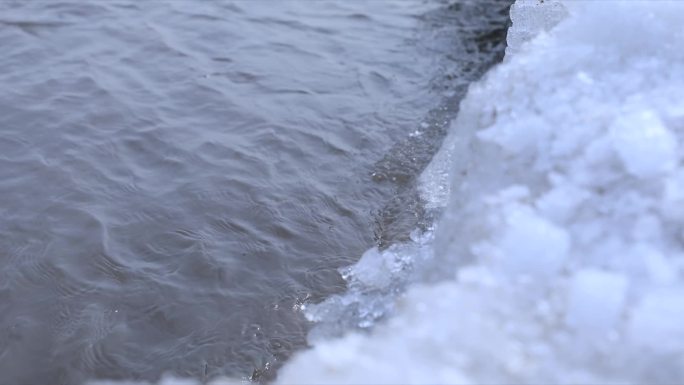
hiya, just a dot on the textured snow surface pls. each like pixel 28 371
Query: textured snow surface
pixel 560 254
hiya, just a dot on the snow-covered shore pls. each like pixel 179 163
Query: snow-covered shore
pixel 560 254
pixel 560 257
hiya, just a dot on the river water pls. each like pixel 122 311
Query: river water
pixel 177 178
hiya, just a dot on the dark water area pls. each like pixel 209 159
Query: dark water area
pixel 177 177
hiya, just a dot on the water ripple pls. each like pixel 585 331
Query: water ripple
pixel 178 178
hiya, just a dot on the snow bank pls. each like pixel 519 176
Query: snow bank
pixel 560 254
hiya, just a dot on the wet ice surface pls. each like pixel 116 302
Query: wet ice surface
pixel 559 258
pixel 472 35
pixel 178 178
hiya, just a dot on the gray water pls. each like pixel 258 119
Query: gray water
pixel 177 177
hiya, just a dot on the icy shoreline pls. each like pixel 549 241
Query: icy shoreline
pixel 559 257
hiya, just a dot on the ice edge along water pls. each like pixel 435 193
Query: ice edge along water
pixel 559 257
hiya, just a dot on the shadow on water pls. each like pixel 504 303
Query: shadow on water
pixel 467 38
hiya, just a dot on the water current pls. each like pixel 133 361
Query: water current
pixel 177 178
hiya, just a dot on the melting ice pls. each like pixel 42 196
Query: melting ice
pixel 559 256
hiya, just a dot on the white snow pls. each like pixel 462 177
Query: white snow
pixel 595 301
pixel 560 254
pixel 645 146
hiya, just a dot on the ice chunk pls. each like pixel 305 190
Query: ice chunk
pixel 645 146
pixel 656 323
pixel 530 17
pixel 531 245
pixel 595 301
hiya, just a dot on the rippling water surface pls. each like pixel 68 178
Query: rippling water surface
pixel 177 177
